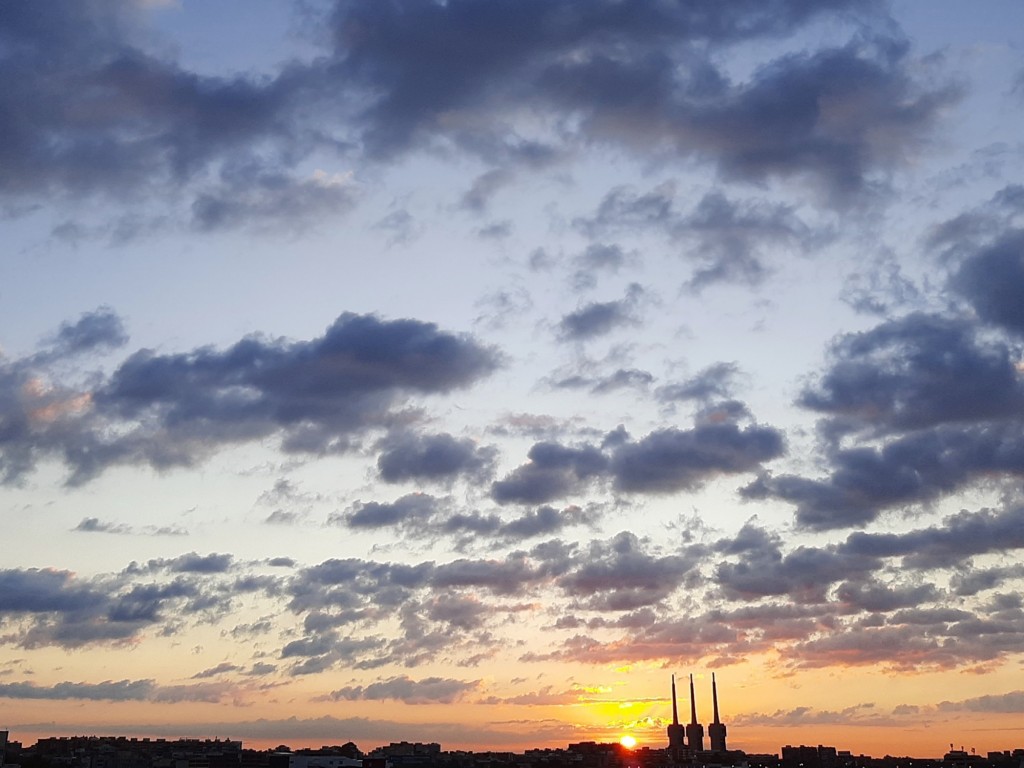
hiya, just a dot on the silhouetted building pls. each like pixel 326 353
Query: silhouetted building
pixel 676 732
pixel 694 731
pixel 716 731
pixel 809 757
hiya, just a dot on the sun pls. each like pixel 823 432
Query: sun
pixel 628 741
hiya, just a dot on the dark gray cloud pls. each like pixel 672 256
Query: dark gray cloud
pixel 914 469
pixel 52 608
pixel 917 371
pixel 100 330
pixel 729 237
pixel 992 280
pixel 40 591
pixel 196 563
pixel 974 580
pixel 958 538
pixel 715 382
pixel 671 460
pixel 875 597
pixel 805 574
pixel 171 410
pixel 633 77
pixel 412 510
pixel 545 521
pixel 599 318
pixel 913 409
pixel 95 525
pixel 89 108
pixel 623 574
pixel 933 644
pixel 439 457
pixel 223 668
pixel 666 461
pixel 622 378
pixel 553 471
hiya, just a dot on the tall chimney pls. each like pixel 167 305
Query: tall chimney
pixel 676 732
pixel 694 731
pixel 716 731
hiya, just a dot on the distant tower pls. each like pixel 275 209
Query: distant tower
pixel 676 732
pixel 694 731
pixel 716 731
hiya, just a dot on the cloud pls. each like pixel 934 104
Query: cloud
pixel 599 258
pixel 638 76
pixel 1005 702
pixel 429 690
pixel 805 574
pixel 121 690
pixel 600 318
pixel 38 591
pixel 910 470
pixel 727 238
pixel 53 608
pixel 172 410
pixel 439 457
pixel 713 383
pixel 271 200
pixel 962 535
pixel 196 563
pixel 623 575
pixel 913 409
pixel 413 509
pixel 100 330
pixel 94 111
pixel 95 525
pixel 622 378
pixel 220 669
pixel 670 460
pixel 914 372
pixel 484 187
pixel 856 715
pixel 665 461
pixel 992 279
pixel 553 471
pixel 545 521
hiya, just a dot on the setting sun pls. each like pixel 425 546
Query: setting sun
pixel 628 741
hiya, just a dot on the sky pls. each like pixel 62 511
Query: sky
pixel 460 371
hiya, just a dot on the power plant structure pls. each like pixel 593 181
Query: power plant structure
pixel 691 737
pixel 716 731
pixel 676 732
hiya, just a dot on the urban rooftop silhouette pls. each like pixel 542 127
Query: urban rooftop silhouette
pixel 684 747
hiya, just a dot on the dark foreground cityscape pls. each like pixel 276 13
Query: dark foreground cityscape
pixel 685 747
